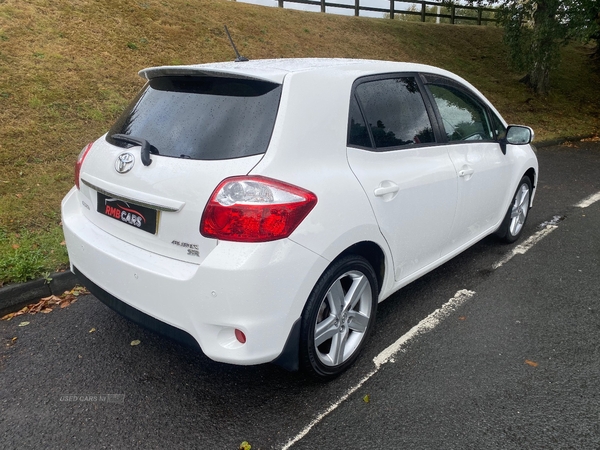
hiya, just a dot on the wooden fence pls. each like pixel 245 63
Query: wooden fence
pixel 392 11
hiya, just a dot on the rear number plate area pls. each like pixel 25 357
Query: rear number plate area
pixel 137 216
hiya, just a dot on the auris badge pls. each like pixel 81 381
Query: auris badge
pixel 124 162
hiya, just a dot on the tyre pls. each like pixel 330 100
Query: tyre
pixel 515 218
pixel 338 317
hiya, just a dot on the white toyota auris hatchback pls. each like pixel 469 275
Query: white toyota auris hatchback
pixel 262 209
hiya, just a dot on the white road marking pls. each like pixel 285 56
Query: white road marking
pixel 588 201
pixel 387 355
pixel 329 410
pixel 553 221
pixel 424 326
pixel 525 246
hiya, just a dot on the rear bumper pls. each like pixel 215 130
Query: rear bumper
pixel 256 288
pixel 134 315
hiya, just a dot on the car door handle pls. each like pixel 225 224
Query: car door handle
pixel 386 188
pixel 465 172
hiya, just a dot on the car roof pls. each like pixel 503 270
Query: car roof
pixel 275 70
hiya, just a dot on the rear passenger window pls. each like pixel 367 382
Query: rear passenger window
pixel 395 113
pixel 464 118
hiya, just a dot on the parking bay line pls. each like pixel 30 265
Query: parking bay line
pixel 548 227
pixel 521 249
pixel 387 355
pixel 588 201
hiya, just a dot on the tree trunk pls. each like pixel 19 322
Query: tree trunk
pixel 543 48
pixel 539 74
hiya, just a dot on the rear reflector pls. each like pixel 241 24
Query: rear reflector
pixel 240 336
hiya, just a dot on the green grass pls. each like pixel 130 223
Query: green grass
pixel 27 254
pixel 68 68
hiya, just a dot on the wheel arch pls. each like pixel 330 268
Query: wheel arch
pixel 373 254
pixel 531 174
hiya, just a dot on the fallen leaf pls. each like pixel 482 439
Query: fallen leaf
pixel 592 139
pixel 51 299
pixel 63 243
pixel 15 246
pixel 366 398
pixel 15 314
pixel 462 318
pixel 136 342
pixel 245 446
pixel 78 290
pixel 92 330
pixel 23 324
pixel 531 363
pixel 46 310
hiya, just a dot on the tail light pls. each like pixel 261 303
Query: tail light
pixel 79 162
pixel 255 209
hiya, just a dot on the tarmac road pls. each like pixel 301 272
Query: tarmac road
pixel 516 365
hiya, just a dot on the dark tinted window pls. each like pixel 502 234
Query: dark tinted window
pixel 498 126
pixel 464 118
pixel 395 112
pixel 202 117
pixel 357 132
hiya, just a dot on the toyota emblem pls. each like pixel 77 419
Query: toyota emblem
pixel 124 162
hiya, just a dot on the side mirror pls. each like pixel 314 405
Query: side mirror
pixel 516 135
pixel 519 135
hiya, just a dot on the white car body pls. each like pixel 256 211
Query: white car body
pixel 454 194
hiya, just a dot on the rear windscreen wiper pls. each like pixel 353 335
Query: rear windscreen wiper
pixel 146 147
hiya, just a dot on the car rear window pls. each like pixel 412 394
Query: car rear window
pixel 206 118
